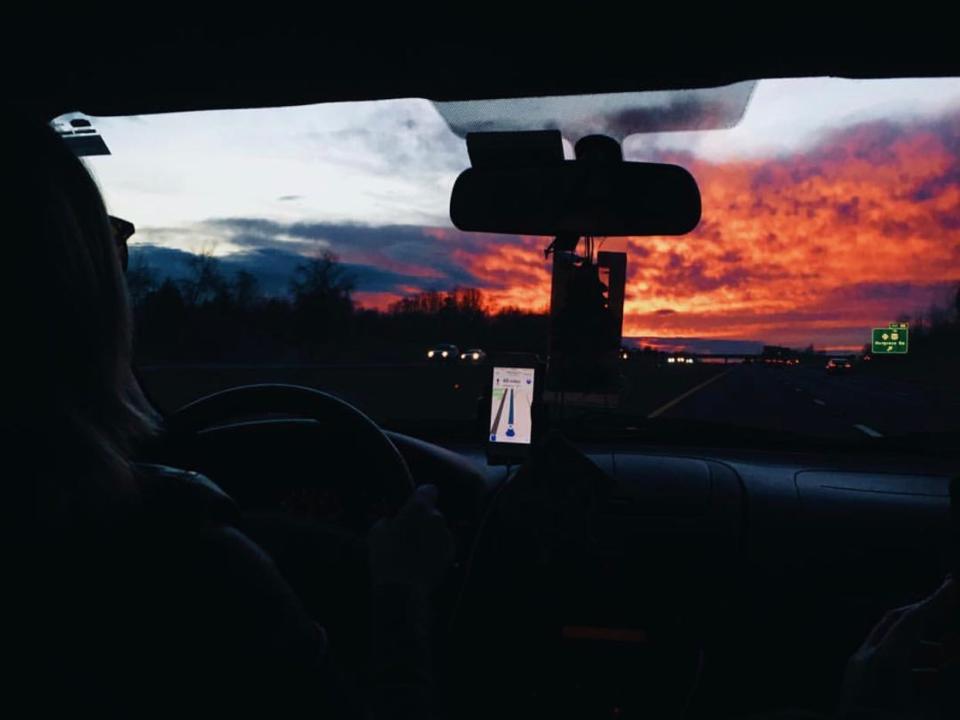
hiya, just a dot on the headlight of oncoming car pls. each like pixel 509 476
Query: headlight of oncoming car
pixel 430 353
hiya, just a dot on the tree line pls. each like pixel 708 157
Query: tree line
pixel 210 315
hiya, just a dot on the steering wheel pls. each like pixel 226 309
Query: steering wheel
pixel 354 454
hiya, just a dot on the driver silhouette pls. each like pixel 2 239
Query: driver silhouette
pixel 129 591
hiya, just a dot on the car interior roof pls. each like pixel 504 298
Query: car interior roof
pixel 101 66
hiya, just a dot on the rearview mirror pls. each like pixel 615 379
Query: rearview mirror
pixel 576 197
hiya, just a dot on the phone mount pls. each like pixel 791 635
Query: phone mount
pixel 587 292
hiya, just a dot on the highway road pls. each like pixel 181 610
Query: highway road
pixel 803 400
pixel 806 400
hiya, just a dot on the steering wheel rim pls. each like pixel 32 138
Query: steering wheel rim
pixel 395 482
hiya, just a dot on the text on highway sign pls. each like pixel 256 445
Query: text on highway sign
pixel 890 340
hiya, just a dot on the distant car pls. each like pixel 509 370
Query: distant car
pixel 474 356
pixel 680 360
pixel 838 366
pixel 444 352
pixel 624 354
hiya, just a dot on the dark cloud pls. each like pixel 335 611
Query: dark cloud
pixel 272 267
pixel 714 319
pixel 931 188
pixel 949 221
pixel 289 198
pixel 426 253
pixel 698 345
pixel 849 211
pixel 764 177
pixel 803 172
pixel 874 142
pixel 895 228
pixel 808 208
pixel 403 139
pixel 388 258
pixel 166 262
pixel 907 292
pixel 680 277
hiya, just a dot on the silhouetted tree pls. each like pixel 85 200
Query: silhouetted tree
pixel 142 281
pixel 937 316
pixel 245 290
pixel 205 281
pixel 208 316
pixel 428 302
pixel 321 280
pixel 321 289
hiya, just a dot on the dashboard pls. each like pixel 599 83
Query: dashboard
pixel 746 576
pixel 768 569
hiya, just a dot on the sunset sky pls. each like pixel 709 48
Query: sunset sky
pixel 832 207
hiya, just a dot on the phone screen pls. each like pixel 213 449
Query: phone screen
pixel 511 408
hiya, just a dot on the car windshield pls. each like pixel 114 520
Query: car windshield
pixel 313 245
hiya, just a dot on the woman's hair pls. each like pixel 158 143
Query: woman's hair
pixel 73 407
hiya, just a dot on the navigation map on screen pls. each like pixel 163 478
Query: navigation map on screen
pixel 511 418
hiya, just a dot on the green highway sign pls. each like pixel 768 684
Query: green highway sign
pixel 890 340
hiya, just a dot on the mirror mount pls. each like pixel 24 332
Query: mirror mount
pixel 520 184
pixel 598 149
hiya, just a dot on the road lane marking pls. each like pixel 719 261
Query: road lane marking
pixel 683 396
pixel 819 402
pixel 496 420
pixel 798 389
pixel 868 431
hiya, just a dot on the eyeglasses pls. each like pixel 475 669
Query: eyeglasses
pixel 123 230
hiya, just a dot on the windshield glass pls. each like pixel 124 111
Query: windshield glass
pixel 818 295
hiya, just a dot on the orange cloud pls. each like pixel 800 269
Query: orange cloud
pixel 816 246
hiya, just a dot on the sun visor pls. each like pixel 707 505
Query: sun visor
pixel 615 115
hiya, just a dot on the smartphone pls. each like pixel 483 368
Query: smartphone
pixel 514 412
